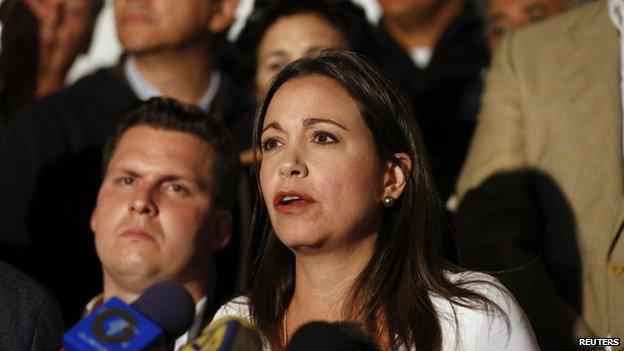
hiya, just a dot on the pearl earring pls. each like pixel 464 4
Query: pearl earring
pixel 388 201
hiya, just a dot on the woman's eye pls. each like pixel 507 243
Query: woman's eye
pixel 324 138
pixel 269 144
pixel 275 66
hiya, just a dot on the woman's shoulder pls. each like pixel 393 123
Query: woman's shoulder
pixel 237 307
pixel 471 325
pixel 480 283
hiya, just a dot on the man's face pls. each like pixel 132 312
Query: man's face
pixel 148 25
pixel 155 219
pixel 408 11
pixel 509 15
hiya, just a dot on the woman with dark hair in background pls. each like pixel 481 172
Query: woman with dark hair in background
pixel 348 221
pixel 278 32
pixel 41 39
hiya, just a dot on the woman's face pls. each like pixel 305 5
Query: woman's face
pixel 321 177
pixel 290 38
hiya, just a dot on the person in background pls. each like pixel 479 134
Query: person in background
pixel 347 221
pixel 164 206
pixel 504 16
pixel 41 39
pixel 50 157
pixel 278 32
pixel 436 49
pixel 540 194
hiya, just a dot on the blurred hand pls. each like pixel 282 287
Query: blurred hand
pixel 64 26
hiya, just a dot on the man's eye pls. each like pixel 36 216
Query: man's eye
pixel 497 31
pixel 270 144
pixel 127 180
pixel 177 188
pixel 536 17
pixel 324 138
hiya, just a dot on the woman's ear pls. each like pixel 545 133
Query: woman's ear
pixel 397 175
pixel 221 15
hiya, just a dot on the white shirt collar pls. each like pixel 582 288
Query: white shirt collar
pixel 421 56
pixel 144 90
pixel 616 13
pixel 196 326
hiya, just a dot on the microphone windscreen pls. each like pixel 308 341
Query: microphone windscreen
pixel 169 305
pixel 330 337
pixel 227 334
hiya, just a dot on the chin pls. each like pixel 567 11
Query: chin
pixel 137 44
pixel 302 243
pixel 136 262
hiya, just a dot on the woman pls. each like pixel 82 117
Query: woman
pixel 41 39
pixel 348 226
pixel 279 32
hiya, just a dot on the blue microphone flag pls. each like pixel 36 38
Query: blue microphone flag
pixel 114 326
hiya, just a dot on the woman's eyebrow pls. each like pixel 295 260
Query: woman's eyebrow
pixel 273 125
pixel 313 120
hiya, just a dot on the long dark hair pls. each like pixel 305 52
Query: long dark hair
pixel 392 295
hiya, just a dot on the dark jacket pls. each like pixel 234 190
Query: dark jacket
pixel 30 318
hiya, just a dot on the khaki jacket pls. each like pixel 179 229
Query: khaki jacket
pixel 552 109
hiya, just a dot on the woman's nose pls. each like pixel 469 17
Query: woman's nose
pixel 293 165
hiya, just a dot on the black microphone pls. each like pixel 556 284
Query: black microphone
pixel 164 312
pixel 170 306
pixel 325 336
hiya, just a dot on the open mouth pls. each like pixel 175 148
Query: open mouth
pixel 291 201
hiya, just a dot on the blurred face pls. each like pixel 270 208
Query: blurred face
pixel 408 11
pixel 291 38
pixel 77 24
pixel 153 220
pixel 321 178
pixel 508 15
pixel 147 25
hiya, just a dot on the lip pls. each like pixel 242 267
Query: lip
pixel 133 16
pixel 304 201
pixel 139 234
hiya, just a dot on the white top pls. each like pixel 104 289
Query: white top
pixel 462 329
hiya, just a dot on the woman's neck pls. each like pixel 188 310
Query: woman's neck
pixel 182 74
pixel 324 282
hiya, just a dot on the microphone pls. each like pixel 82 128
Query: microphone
pixel 164 312
pixel 227 334
pixel 330 337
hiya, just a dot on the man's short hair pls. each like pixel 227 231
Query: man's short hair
pixel 169 114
